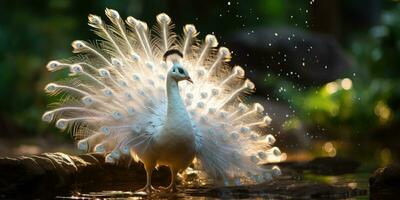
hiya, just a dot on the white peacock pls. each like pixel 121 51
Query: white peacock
pixel 123 99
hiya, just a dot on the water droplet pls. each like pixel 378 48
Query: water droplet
pixel 276 34
pixel 229 3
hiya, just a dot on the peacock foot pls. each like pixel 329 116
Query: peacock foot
pixel 148 189
pixel 169 189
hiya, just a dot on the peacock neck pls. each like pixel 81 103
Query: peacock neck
pixel 176 107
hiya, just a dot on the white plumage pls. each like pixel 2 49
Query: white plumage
pixel 123 98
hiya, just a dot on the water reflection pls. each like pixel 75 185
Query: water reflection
pixel 345 186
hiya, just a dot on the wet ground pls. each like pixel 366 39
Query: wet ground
pixel 310 186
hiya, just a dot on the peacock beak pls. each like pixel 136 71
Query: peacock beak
pixel 189 79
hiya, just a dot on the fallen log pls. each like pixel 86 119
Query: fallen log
pixel 51 174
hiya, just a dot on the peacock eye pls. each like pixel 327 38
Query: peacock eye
pixel 180 70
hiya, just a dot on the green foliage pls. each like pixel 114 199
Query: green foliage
pixel 370 103
pixel 31 34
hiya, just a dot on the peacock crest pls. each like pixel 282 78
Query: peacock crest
pixel 115 100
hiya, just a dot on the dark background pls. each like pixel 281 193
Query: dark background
pixel 326 70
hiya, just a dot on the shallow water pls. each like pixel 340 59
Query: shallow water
pixel 357 181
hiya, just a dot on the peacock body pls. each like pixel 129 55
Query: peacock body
pixel 123 99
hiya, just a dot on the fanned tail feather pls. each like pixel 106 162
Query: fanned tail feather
pixel 115 101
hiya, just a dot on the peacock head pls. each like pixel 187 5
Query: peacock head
pixel 177 71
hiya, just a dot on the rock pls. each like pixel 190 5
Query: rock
pixel 285 50
pixel 385 182
pixel 323 166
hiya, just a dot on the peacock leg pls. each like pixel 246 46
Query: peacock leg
pixel 172 185
pixel 149 171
